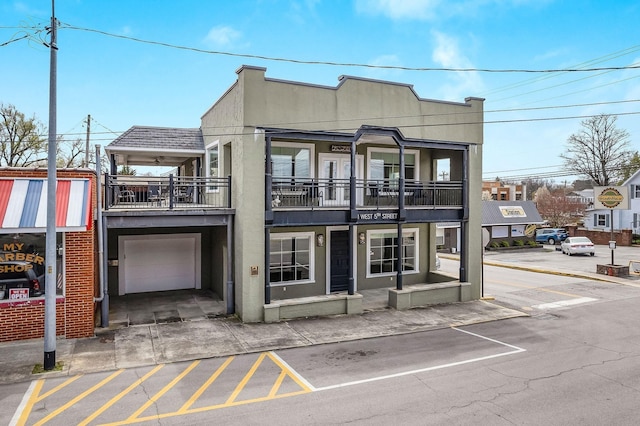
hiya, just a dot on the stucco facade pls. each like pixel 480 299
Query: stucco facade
pixel 243 119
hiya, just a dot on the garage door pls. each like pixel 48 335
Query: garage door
pixel 158 263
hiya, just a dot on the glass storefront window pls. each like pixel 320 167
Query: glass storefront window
pixel 291 162
pixel 22 266
pixel 382 248
pixel 290 258
pixel 212 164
pixel 385 165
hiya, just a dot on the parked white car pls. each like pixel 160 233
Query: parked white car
pixel 578 245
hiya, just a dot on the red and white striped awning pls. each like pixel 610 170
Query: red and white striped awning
pixel 23 205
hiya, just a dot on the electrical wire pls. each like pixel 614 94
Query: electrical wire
pixel 341 64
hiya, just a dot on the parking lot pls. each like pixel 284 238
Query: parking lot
pixel 551 258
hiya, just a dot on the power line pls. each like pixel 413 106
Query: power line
pixel 369 119
pixel 342 64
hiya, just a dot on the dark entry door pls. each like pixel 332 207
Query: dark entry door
pixel 340 259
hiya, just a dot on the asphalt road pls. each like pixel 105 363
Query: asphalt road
pixel 573 361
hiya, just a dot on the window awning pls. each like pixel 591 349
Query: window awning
pixel 23 205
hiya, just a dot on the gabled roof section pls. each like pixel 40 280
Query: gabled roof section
pixel 510 213
pixel 633 179
pixel 161 138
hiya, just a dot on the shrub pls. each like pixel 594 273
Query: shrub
pixel 518 243
pixel 532 243
pixel 494 244
pixel 504 243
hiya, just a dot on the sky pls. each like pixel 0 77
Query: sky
pixel 117 62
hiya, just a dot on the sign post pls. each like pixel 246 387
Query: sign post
pixel 612 198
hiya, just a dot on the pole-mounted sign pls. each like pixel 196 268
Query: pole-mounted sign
pixel 611 198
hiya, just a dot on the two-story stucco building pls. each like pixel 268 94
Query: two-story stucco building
pixel 290 198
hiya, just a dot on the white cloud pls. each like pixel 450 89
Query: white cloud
pixel 425 10
pixel 222 35
pixel 394 9
pixel 447 53
pixel 384 73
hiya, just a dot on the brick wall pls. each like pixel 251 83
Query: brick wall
pixel 75 311
pixel 623 238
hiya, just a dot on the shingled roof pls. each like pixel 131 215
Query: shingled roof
pixel 161 138
pixel 510 213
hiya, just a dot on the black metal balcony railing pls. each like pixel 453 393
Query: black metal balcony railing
pixel 166 192
pixel 376 194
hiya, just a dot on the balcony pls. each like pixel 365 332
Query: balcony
pixel 310 193
pixel 125 192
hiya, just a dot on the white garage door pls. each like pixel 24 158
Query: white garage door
pixel 158 263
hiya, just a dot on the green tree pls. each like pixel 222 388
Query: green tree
pixel 22 143
pixel 631 166
pixel 598 151
pixel 127 170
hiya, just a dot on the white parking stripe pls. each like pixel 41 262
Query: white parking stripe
pixel 435 367
pixel 565 303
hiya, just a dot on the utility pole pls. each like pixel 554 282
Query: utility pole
pixel 50 243
pixel 86 149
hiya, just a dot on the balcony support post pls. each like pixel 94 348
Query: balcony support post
pixel 399 258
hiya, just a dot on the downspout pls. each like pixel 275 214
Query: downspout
pixel 268 219
pixel 230 261
pixel 102 292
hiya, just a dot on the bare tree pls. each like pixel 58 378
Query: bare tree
pixel 69 154
pixel 598 151
pixel 557 208
pixel 22 141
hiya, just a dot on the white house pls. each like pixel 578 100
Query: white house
pixel 600 219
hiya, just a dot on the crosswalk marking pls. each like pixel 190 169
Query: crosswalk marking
pixel 565 303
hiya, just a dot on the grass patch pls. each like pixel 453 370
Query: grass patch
pixel 39 368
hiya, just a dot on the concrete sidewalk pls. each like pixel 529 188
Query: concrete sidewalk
pixel 136 346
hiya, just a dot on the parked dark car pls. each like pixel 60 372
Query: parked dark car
pixel 16 274
pixel 551 235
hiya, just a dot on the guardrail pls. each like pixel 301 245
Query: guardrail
pixel 294 192
pixel 166 192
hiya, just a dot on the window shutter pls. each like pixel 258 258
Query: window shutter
pixel 595 220
pixel 606 220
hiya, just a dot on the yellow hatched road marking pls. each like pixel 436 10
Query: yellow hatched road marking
pixel 79 398
pixel 57 388
pixel 285 372
pixel 277 384
pixel 205 386
pixel 163 390
pixel 290 372
pixel 120 396
pixel 231 401
pixel 246 378
pixel 22 420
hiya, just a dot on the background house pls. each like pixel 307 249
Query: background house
pixel 600 219
pixel 510 221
